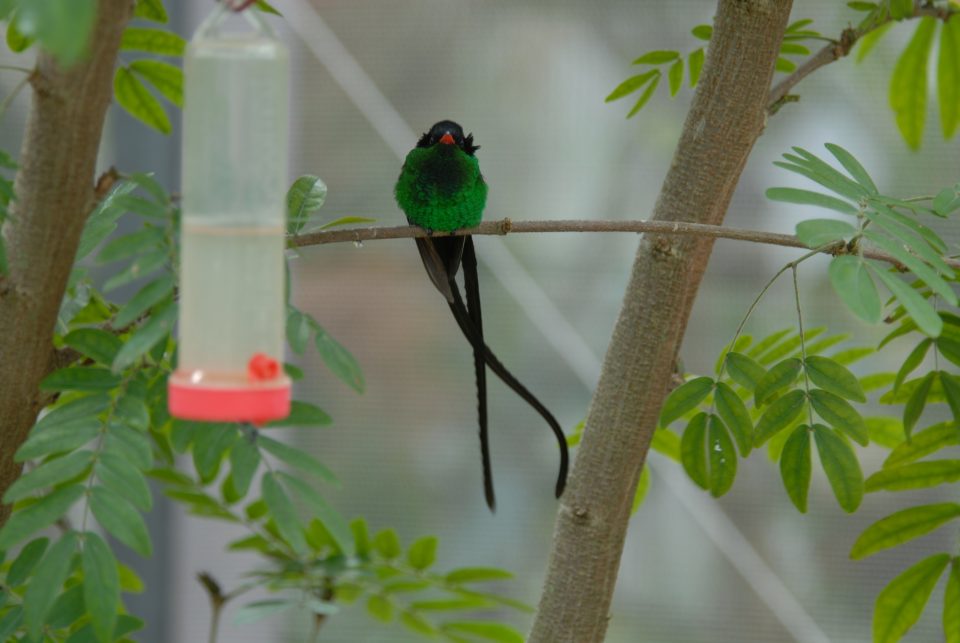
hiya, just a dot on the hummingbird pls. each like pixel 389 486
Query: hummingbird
pixel 441 189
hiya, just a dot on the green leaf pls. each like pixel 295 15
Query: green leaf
pixel 951 389
pixel 817 232
pixel 167 78
pixel 675 75
pixel 422 553
pixel 31 519
pixel 685 398
pixel 63 27
pixel 917 401
pixel 922 444
pixel 120 519
pixel 852 282
pixel 49 474
pixel 303 414
pixel 840 414
pixel 80 378
pixel 121 477
pixel 908 84
pixel 130 444
pixel 900 9
pixel 361 537
pixel 387 544
pixel 146 337
pixel 97 344
pixel 380 607
pixel 782 375
pixel 833 377
pixel 331 519
pixel 16 41
pixel 785 65
pixel 919 309
pixel 795 466
pixel 631 85
pixel 914 264
pixel 304 197
pixel 476 575
pixel 735 415
pixel 244 461
pixel 295 457
pixel 744 370
pixel 145 299
pixel 153 41
pixel 484 630
pixel 914 359
pixel 948 77
pixel 47 581
pixel 722 457
pixel 151 10
pixel 951 605
pixel 283 512
pixel 67 609
pixel 266 7
pixel 816 169
pixel 667 443
pixel 58 438
pixel 693 451
pixel 806 197
pixel 916 475
pixel 25 561
pixel 643 485
pixel 418 624
pixel 10 622
pixel 339 360
pixel 853 166
pixel 900 603
pixel 842 467
pixel 945 200
pixel 647 93
pixel 902 527
pixel 347 220
pixel 703 32
pixel 695 62
pixel 133 96
pixel 298 330
pixel 779 415
pixel 101 586
pixel 656 57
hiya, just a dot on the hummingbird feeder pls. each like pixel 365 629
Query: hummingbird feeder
pixel 235 139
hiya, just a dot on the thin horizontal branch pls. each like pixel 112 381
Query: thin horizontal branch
pixel 503 227
pixel 840 48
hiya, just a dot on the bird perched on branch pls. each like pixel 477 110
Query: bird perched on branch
pixel 441 189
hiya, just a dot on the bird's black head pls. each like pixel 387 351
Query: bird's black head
pixel 448 133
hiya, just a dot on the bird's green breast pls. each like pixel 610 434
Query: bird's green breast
pixel 441 188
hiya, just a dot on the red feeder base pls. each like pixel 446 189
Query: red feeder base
pixel 257 403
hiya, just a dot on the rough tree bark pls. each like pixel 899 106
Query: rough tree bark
pixel 725 119
pixel 55 190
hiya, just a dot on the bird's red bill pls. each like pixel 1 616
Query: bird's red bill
pixel 446 139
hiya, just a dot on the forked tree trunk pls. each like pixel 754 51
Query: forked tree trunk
pixel 725 119
pixel 54 193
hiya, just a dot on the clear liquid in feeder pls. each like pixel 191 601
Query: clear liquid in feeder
pixel 232 312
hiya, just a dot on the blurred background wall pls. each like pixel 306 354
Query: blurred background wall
pixel 528 78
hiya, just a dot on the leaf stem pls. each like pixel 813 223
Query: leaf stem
pixel 5 103
pixel 803 344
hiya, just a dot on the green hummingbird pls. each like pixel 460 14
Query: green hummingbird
pixel 441 189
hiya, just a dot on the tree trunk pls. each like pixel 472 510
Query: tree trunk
pixel 725 119
pixel 54 193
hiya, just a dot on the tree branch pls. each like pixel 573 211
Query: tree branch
pixel 503 227
pixel 841 48
pixel 725 118
pixel 55 190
